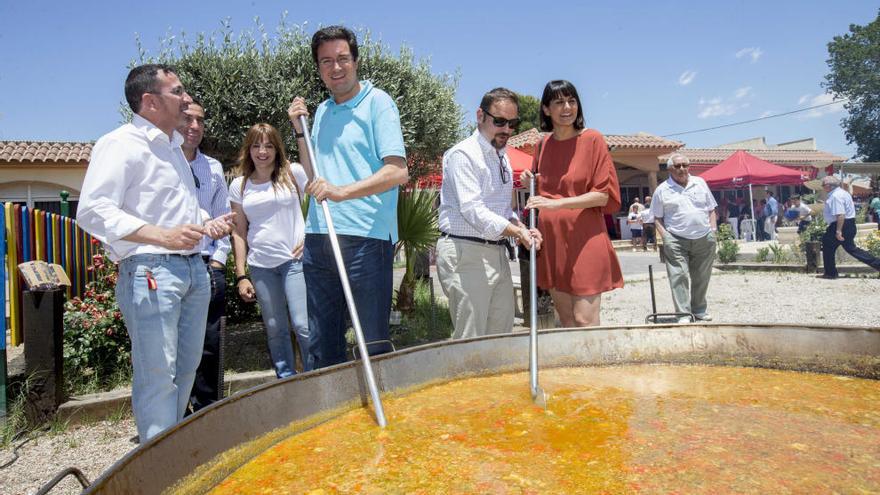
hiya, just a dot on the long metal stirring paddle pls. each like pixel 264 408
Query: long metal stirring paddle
pixel 346 288
pixel 538 394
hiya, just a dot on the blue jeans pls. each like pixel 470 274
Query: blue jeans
pixel 167 330
pixel 281 292
pixel 369 265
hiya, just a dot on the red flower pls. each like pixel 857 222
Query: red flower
pixel 109 332
pixel 96 242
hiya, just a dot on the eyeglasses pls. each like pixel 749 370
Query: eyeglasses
pixel 499 122
pixel 196 179
pixel 327 63
pixel 505 176
pixel 681 165
pixel 175 91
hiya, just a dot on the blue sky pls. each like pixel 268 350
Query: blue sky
pixel 653 66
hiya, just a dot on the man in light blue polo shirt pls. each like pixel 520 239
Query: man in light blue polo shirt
pixel 684 215
pixel 840 215
pixel 359 148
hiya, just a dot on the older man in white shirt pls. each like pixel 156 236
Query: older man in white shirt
pixel 475 218
pixel 684 215
pixel 139 198
pixel 840 215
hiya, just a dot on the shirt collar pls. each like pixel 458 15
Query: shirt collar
pixel 153 133
pixel 676 185
pixel 487 146
pixel 366 87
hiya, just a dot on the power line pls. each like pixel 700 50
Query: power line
pixel 754 120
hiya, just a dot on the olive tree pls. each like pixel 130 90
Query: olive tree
pixel 250 76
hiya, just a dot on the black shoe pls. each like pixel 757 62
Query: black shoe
pixel 828 277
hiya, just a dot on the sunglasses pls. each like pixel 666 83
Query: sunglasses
pixel 499 122
pixel 680 165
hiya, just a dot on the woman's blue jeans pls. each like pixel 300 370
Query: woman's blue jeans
pixel 281 292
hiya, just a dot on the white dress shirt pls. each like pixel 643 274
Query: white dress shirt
pixel 838 202
pixel 213 198
pixel 475 201
pixel 684 210
pixel 137 176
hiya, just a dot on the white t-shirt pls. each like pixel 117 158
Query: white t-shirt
pixel 804 210
pixel 645 216
pixel 634 224
pixel 684 210
pixel 275 220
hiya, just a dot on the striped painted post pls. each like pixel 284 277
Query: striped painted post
pixel 3 277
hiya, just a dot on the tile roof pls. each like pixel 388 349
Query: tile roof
pixel 778 156
pixel 45 152
pixel 638 141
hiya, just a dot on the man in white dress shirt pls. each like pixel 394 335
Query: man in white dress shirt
pixel 684 215
pixel 139 198
pixel 840 215
pixel 475 218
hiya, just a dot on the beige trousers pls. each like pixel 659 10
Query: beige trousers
pixel 476 279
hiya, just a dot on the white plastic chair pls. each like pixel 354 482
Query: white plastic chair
pixel 747 230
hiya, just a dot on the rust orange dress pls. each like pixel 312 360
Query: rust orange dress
pixel 577 256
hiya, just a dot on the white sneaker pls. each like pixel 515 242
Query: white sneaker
pixel 703 317
pixel 684 319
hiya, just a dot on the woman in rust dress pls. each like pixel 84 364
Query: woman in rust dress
pixel 577 184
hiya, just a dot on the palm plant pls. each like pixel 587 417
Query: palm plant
pixel 417 232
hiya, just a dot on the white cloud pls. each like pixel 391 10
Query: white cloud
pixel 820 99
pixel 743 92
pixel 715 107
pixel 686 77
pixel 767 113
pixel 719 107
pixel 753 52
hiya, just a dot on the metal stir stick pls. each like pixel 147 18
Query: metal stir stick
pixel 538 394
pixel 346 288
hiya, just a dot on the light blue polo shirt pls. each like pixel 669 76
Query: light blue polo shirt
pixel 350 141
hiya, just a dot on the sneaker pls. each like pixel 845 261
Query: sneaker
pixel 827 277
pixel 703 317
pixel 684 319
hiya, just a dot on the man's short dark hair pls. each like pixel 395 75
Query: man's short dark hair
pixel 331 33
pixel 142 79
pixel 498 94
pixel 795 197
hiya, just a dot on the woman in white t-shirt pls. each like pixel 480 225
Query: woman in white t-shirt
pixel 269 232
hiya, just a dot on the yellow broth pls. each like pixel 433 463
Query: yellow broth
pixel 644 429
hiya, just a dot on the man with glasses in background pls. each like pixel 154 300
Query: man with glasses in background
pixel 475 219
pixel 684 216
pixel 359 147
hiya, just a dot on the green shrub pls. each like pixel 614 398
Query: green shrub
pixel 762 254
pixel 416 328
pixel 237 311
pixel 97 350
pixel 872 243
pixel 779 253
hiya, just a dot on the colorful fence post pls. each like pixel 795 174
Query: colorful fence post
pixel 29 234
pixel 3 277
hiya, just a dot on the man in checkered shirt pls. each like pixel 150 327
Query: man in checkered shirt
pixel 476 219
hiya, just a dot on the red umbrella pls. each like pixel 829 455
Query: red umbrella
pixel 742 169
pixel 519 161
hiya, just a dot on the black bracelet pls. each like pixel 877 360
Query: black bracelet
pixel 299 135
pixel 240 278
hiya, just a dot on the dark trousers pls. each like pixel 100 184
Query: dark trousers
pixel 207 388
pixel 369 263
pixel 830 244
pixel 802 225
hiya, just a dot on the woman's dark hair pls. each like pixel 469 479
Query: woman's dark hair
pixel 143 79
pixel 331 33
pixel 553 90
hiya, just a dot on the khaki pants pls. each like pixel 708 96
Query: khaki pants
pixel 476 279
pixel 689 267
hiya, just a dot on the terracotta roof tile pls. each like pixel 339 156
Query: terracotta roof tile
pixel 617 141
pixel 782 157
pixel 43 151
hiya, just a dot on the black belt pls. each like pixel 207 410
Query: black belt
pixel 206 258
pixel 475 239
